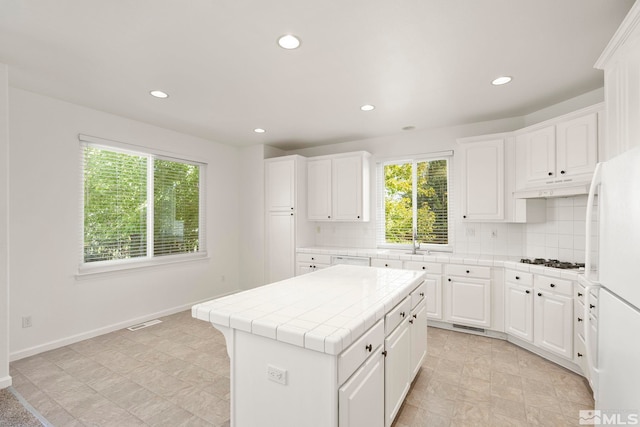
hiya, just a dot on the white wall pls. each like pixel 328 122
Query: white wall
pixel 5 379
pixel 45 228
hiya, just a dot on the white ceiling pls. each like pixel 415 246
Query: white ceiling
pixel 423 63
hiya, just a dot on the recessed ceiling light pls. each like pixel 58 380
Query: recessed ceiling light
pixel 367 107
pixel 159 94
pixel 289 41
pixel 501 80
pixel 259 130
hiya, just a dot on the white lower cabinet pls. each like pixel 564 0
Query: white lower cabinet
pixel 519 311
pixel 373 395
pixel 361 399
pixel 434 297
pixel 468 298
pixel 307 263
pixel 386 263
pixel 396 370
pixel 553 323
pixel 418 328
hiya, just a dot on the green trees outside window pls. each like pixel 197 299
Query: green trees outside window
pixel 117 210
pixel 416 195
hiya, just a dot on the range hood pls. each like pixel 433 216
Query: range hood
pixel 550 192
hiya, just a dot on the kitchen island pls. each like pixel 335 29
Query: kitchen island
pixel 338 347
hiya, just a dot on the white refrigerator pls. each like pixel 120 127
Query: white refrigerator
pixel 617 363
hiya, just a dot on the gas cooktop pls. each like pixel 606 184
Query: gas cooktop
pixel 553 263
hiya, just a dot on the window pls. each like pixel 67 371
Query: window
pixel 414 195
pixel 122 222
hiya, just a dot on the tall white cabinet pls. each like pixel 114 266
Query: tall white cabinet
pixel 621 64
pixel 285 223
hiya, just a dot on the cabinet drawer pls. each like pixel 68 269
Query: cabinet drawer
pixel 418 294
pixel 560 286
pixel 519 277
pixel 351 359
pixel 429 267
pixel 314 258
pixel 397 315
pixel 469 271
pixel 578 318
pixel 388 263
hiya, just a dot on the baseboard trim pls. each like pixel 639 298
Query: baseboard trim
pixel 52 345
pixel 5 382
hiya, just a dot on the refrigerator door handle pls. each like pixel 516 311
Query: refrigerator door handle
pixel 587 328
pixel 595 182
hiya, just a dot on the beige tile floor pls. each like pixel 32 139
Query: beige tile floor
pixel 177 374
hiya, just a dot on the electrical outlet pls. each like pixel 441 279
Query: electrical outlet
pixel 277 375
pixel 26 322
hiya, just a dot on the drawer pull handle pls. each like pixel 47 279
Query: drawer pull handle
pixel 579 354
pixel 579 319
pixel 449 279
pixel 421 294
pixel 527 291
pixel 384 353
pixel 424 268
pixel 411 321
pixel 517 277
pixel 579 294
pixel 386 265
pixel 552 285
pixel 402 314
pixel 369 347
pixel 539 294
pixel 468 272
pixel 592 306
pixel 415 316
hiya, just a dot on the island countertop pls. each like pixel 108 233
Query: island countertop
pixel 323 311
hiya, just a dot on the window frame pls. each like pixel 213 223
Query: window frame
pixel 149 260
pixel 380 196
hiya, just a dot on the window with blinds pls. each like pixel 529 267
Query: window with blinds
pixel 413 195
pixel 139 205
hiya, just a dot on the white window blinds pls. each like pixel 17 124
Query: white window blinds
pixel 139 205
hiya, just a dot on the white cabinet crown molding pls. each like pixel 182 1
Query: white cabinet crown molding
pixel 625 31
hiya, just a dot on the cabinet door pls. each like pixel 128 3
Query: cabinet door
pixel 577 142
pixel 396 370
pixel 434 298
pixel 280 185
pixel 319 189
pixel 468 301
pixel 519 313
pixel 553 323
pixel 361 399
pixel 347 188
pixel 418 328
pixel 483 180
pixel 540 154
pixel 280 253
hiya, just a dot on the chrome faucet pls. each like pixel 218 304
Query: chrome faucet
pixel 416 244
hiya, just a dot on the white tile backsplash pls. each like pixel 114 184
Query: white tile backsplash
pixel 561 237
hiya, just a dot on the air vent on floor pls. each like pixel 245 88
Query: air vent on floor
pixel 144 325
pixel 469 328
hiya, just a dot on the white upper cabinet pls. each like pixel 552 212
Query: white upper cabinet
pixel 577 147
pixel 338 187
pixel 483 180
pixel 540 157
pixel 319 189
pixel 280 184
pixel 561 154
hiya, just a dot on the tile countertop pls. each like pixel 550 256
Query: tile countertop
pixel 511 262
pixel 324 311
